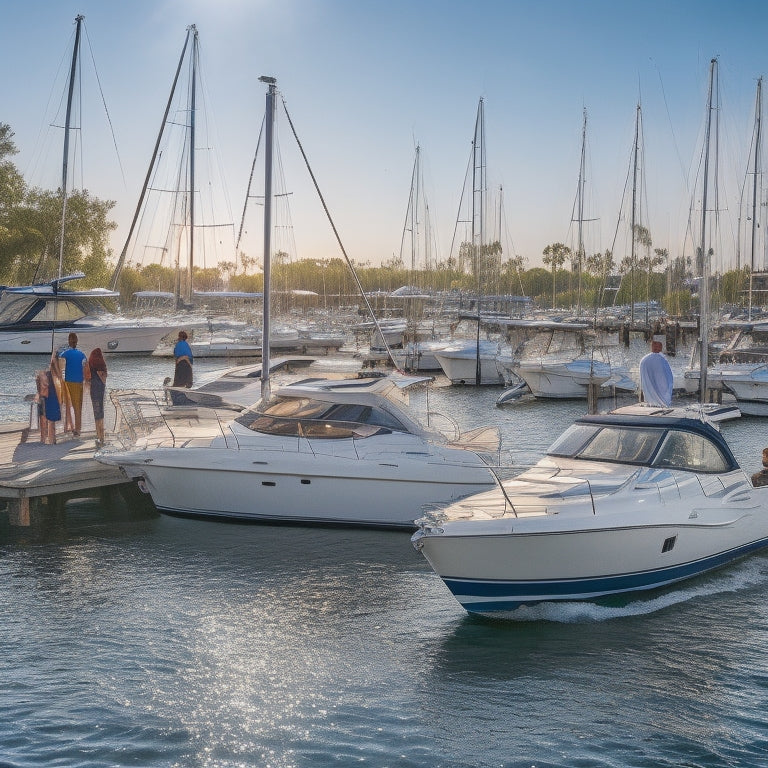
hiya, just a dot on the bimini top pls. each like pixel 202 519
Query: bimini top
pixel 53 289
pixel 670 442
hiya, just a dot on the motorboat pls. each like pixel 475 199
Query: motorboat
pixel 321 451
pixel 34 319
pixel 459 362
pixel 747 382
pixel 563 360
pixel 318 450
pixel 634 500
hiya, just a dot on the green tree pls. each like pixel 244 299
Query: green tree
pixel 555 255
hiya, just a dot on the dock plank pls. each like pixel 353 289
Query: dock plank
pixel 30 469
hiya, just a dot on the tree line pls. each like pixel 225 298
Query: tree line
pixel 30 250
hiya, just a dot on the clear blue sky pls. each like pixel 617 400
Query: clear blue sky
pixel 364 81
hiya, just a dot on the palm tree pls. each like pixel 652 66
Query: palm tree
pixel 555 255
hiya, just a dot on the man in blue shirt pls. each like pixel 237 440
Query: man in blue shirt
pixel 74 375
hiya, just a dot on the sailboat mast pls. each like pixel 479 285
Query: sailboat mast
pixel 705 267
pixel 582 181
pixel 268 150
pixel 192 114
pixel 634 216
pixel 67 129
pixel 756 172
pixel 478 215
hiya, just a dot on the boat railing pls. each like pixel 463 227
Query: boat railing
pixel 147 416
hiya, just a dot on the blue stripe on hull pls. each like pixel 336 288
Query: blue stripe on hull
pixel 477 595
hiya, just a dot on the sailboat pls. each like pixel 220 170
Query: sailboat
pixel 747 377
pixel 38 318
pixel 322 451
pixel 624 502
pixel 478 361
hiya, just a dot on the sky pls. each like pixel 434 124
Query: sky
pixel 365 82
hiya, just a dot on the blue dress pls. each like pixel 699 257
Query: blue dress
pixel 52 407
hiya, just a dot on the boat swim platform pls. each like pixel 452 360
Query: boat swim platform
pixel 31 470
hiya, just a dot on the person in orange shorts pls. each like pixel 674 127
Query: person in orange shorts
pixel 75 373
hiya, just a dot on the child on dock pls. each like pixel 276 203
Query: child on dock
pixel 48 408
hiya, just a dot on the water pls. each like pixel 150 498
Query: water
pixel 131 638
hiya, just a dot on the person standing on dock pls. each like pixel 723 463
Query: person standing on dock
pixel 656 379
pixel 182 374
pixel 97 366
pixel 75 373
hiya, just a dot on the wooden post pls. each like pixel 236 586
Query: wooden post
pixel 18 511
pixel 592 395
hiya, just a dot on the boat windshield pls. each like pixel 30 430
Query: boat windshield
pixel 14 308
pixel 305 417
pixel 648 446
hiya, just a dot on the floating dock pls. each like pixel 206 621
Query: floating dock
pixel 31 470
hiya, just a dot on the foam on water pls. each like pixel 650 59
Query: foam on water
pixel 747 574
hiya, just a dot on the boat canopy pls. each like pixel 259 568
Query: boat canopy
pixel 669 443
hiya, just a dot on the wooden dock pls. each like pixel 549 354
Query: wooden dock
pixel 30 470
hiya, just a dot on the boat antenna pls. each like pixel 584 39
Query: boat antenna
pixel 123 253
pixel 269 125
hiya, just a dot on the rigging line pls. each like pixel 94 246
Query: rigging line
pixel 250 183
pixel 683 174
pixel 338 238
pixel 458 214
pixel 618 221
pixel 106 110
pixel 121 259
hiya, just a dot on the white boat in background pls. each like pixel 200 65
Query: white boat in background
pixel 34 319
pixel 623 502
pixel 419 356
pixel 564 359
pixel 459 361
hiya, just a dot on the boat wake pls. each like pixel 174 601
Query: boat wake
pixel 748 574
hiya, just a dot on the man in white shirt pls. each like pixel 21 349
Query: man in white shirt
pixel 656 377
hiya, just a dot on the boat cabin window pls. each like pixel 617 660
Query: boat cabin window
pixel 685 450
pixel 66 311
pixel 625 445
pixel 14 308
pixel 315 418
pixel 655 446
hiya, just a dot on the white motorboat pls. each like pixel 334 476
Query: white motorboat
pixel 634 500
pixel 34 319
pixel 459 362
pixel 319 451
pixel 564 359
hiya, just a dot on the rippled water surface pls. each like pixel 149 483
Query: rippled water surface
pixel 131 638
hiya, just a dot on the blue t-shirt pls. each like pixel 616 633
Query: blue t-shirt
pixel 75 359
pixel 182 348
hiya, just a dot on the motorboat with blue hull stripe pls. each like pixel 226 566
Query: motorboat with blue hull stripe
pixel 622 503
pixel 498 596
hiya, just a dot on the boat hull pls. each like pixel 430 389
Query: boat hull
pixel 497 572
pixel 261 486
pixel 114 339
pixel 561 381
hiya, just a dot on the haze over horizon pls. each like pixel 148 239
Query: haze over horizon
pixel 365 83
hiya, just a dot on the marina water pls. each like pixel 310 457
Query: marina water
pixel 131 638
